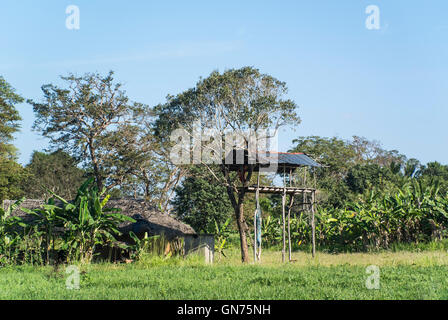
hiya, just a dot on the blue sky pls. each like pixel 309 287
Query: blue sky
pixel 388 84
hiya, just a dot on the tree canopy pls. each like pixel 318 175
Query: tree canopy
pixel 56 171
pixel 9 117
pixel 83 117
pixel 11 173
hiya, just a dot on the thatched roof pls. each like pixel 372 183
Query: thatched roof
pixel 148 219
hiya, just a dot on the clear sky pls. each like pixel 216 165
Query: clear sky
pixel 388 84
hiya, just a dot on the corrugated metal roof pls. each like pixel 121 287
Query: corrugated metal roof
pixel 289 159
pixel 282 160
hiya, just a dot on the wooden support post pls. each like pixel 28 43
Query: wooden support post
pixel 304 177
pixel 283 215
pixel 313 226
pixel 255 235
pixel 261 221
pixel 291 201
pixel 257 194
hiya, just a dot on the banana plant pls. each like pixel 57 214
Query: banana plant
pixel 221 236
pixel 89 223
pixel 47 218
pixel 85 222
pixel 9 236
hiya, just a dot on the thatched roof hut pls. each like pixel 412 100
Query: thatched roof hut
pixel 148 219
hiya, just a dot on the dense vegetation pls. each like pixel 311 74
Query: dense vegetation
pixel 60 231
pixel 368 197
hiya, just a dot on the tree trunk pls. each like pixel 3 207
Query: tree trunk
pixel 96 169
pixel 242 228
pixel 239 214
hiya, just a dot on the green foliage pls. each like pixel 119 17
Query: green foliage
pixel 84 117
pixel 11 173
pixel 200 201
pixel 83 224
pixel 364 177
pixel 47 219
pixel 9 118
pixel 155 246
pixel 9 236
pixel 88 223
pixel 434 173
pixel 222 234
pixel 237 98
pixel 57 171
pixel 412 214
pixel 12 178
pixel 350 167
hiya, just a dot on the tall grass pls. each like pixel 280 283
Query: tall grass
pixel 404 275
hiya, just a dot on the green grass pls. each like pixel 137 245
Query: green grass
pixel 403 275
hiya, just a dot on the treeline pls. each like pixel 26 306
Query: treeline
pixel 368 197
pixel 94 130
pixel 353 167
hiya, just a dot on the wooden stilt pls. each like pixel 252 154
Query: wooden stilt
pixel 313 226
pixel 289 227
pixel 255 235
pixel 261 221
pixel 291 201
pixel 257 194
pixel 283 215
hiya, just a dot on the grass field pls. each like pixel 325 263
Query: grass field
pixel 403 275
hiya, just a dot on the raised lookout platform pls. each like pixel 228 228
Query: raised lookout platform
pixel 279 190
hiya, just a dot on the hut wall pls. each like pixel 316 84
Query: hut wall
pixel 203 244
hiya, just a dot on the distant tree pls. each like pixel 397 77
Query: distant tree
pixel 82 117
pixel 56 171
pixel 237 100
pixel 337 157
pixel 434 169
pixel 349 166
pixel 12 178
pixel 12 174
pixel 412 168
pixel 9 118
pixel 434 173
pixel 200 201
pixel 363 177
pixel 372 152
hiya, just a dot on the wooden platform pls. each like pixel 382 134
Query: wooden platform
pixel 280 190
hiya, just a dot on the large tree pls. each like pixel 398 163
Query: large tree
pixel 144 158
pixel 81 118
pixel 237 101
